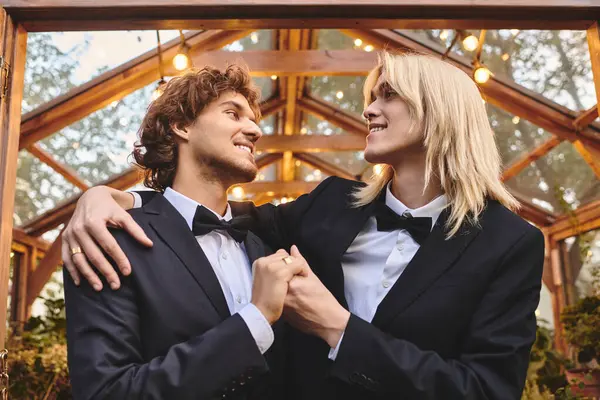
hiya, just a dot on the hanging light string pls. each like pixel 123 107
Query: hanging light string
pixel 159 87
pixel 481 73
pixel 182 60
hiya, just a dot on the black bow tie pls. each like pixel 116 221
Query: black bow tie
pixel 205 222
pixel 387 220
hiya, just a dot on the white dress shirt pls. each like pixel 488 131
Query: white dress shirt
pixel 376 259
pixel 231 265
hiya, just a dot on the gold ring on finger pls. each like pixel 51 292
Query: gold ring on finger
pixel 288 260
pixel 75 250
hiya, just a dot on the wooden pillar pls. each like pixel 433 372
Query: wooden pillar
pixel 593 36
pixel 13 47
pixel 558 295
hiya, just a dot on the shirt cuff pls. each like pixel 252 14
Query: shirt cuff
pixel 334 352
pixel 259 327
pixel 137 200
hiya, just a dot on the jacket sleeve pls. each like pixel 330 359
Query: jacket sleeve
pixel 106 361
pixel 495 354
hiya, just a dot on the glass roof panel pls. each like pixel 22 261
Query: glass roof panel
pixel 58 61
pixel 515 136
pixel 555 64
pixel 558 182
pixel 312 125
pixel 39 188
pixel 333 39
pixel 345 92
pixel 99 146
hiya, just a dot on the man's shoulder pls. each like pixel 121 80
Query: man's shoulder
pixel 335 185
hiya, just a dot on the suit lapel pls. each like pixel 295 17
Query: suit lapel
pixel 174 231
pixel 432 259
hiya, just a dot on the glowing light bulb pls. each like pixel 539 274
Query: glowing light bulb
pixel 516 120
pixel 444 34
pixel 304 131
pixel 482 75
pixel 505 56
pixel 514 32
pixel 377 169
pixel 339 95
pixel 181 61
pixel 273 77
pixel 237 192
pixel 254 37
pixel 357 42
pixel 369 48
pixel 470 43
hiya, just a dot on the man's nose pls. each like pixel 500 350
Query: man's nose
pixel 370 112
pixel 253 131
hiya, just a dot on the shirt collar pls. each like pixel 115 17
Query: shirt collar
pixel 433 209
pixel 187 207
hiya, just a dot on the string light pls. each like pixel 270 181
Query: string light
pixel 369 48
pixel 516 120
pixel 237 192
pixel 273 77
pixel 304 131
pixel 482 74
pixel 254 37
pixel 514 32
pixel 270 193
pixel 377 169
pixel 358 42
pixel 160 88
pixel 505 56
pixel 75 145
pixel 283 200
pixel 444 34
pixel 339 95
pixel 470 43
pixel 182 60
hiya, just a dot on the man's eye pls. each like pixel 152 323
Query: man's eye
pixel 233 114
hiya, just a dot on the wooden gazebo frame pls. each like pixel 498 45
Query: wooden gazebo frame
pixel 222 22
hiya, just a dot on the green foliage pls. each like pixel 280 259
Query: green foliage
pixel 38 356
pixel 582 327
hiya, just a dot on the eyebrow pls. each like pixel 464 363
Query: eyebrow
pixel 238 107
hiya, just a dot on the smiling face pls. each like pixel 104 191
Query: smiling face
pixel 222 139
pixel 392 132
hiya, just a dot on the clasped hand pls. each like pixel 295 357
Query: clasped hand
pixel 307 304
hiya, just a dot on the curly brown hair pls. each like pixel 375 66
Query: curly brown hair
pixel 183 98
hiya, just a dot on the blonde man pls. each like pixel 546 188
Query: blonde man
pixel 424 283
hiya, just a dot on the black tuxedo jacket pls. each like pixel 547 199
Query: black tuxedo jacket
pixel 458 324
pixel 167 333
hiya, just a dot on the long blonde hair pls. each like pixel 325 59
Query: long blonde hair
pixel 459 142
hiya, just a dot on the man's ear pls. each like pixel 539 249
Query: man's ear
pixel 181 132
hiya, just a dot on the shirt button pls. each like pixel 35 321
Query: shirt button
pixel 238 299
pixel 224 255
pixel 400 247
pixel 386 284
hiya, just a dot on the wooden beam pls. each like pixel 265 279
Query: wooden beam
pixel 585 118
pixel 293 62
pixel 523 162
pixel 13 49
pixel 326 167
pixel 293 92
pixel 336 116
pixel 268 159
pixel 67 172
pixel 51 15
pixel 593 160
pixel 593 38
pixel 298 143
pixel 533 213
pixel 112 85
pixel 502 93
pixel 283 187
pixel 20 236
pixel 583 219
pixel 38 278
pixel 272 106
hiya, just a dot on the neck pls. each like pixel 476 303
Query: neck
pixel 202 186
pixel 409 180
